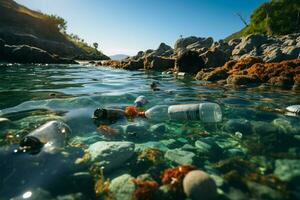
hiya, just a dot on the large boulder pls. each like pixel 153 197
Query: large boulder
pixel 110 155
pixel 163 50
pixel 158 63
pixel 134 64
pixel 123 187
pixel 215 58
pixel 249 43
pixel 192 43
pixel 190 62
pixel 239 80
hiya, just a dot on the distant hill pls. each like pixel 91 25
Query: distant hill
pixel 278 17
pixel 118 57
pixel 20 25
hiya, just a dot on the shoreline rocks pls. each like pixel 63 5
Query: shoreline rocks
pixel 28 54
pixel 247 61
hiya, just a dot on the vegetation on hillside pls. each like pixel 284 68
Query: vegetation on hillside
pixel 277 17
pixel 24 21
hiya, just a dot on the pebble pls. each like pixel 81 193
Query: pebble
pixel 158 128
pixel 238 125
pixel 111 155
pixel 180 157
pixel 198 185
pixel 122 187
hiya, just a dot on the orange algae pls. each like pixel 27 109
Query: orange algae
pixel 173 177
pixel 107 130
pixel 153 155
pixel 146 190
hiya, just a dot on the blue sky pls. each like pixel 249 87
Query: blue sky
pixel 127 26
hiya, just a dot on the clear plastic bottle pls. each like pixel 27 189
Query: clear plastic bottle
pixel 49 136
pixel 205 112
pixel 140 101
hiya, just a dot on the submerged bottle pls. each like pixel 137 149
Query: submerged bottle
pixel 205 112
pixel 140 101
pixel 293 110
pixel 48 137
pixel 108 115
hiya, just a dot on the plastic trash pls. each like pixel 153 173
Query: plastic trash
pixel 141 101
pixel 293 110
pixel 48 137
pixel 205 112
pixel 109 115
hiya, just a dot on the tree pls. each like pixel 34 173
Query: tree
pixel 95 44
pixel 57 21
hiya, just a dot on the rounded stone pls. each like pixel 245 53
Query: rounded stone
pixel 199 185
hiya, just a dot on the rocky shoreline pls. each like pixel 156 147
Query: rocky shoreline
pixel 251 60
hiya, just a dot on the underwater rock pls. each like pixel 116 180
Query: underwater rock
pixel 123 187
pixel 170 143
pixel 283 125
pixel 4 123
pixel 238 125
pixel 158 128
pixel 235 152
pixel 199 185
pixel 110 155
pixel 155 145
pixel 207 147
pixel 180 157
pixel 288 170
pixel 264 128
pixel 263 192
pixel 139 129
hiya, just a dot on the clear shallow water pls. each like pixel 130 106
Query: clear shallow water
pixel 253 133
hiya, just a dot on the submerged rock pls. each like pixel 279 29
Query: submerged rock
pixel 199 185
pixel 110 155
pixel 123 187
pixel 238 125
pixel 288 170
pixel 180 157
pixel 4 123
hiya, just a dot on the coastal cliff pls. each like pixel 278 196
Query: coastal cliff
pixel 25 31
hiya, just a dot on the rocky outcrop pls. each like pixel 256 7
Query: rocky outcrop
pixel 28 54
pixel 270 49
pixel 190 62
pixel 22 26
pixel 253 70
pixel 158 63
pixel 214 58
pixel 192 43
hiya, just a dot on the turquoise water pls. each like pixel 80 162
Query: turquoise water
pixel 252 140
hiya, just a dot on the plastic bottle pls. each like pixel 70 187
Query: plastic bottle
pixel 206 112
pixel 294 109
pixel 48 137
pixel 141 101
pixel 109 115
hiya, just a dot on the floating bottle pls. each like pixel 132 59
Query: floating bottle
pixel 205 112
pixel 293 110
pixel 140 101
pixel 108 115
pixel 48 137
